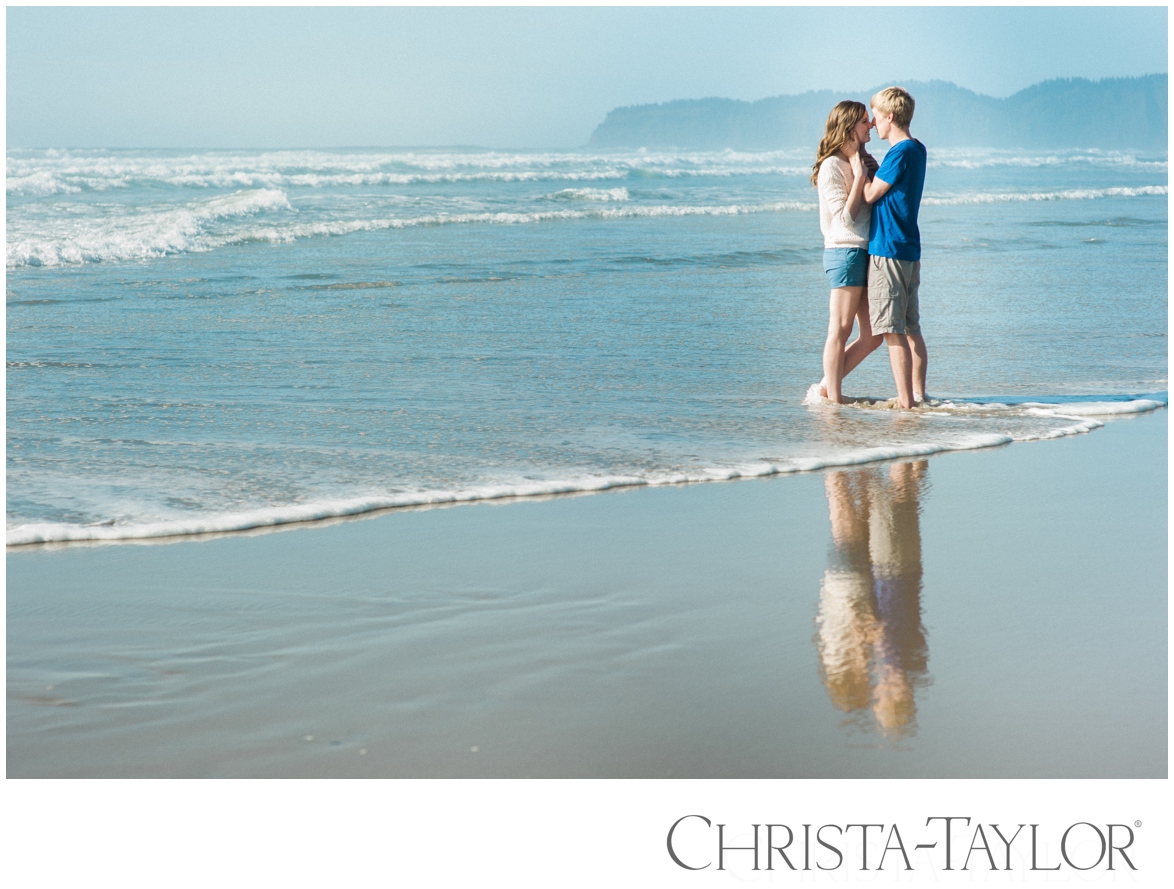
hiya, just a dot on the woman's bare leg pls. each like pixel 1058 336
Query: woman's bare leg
pixel 842 307
pixel 859 349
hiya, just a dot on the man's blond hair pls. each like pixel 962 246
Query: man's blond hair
pixel 897 102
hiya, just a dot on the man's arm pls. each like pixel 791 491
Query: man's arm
pixel 876 189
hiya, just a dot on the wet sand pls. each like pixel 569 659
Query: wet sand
pixel 996 613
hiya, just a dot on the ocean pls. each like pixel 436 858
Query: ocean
pixel 210 341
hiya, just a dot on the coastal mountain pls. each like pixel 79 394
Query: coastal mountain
pixel 1126 112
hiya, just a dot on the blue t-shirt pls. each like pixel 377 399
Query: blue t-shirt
pixel 893 231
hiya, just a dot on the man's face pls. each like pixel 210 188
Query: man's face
pixel 883 123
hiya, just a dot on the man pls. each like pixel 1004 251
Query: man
pixel 894 244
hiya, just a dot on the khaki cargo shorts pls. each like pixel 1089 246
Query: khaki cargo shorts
pixel 892 295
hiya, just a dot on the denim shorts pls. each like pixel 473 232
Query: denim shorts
pixel 846 266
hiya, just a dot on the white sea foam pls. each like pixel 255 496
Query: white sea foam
pixel 60 172
pixel 1075 194
pixel 1082 413
pixel 41 173
pixel 977 159
pixel 41 182
pixel 338 192
pixel 1093 409
pixel 142 233
pixel 1065 410
pixel 192 227
pixel 603 195
pixel 308 230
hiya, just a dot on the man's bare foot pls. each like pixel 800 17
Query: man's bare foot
pixel 823 388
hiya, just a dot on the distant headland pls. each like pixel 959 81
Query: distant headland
pixel 1126 112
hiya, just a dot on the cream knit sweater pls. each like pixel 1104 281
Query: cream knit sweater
pixel 839 229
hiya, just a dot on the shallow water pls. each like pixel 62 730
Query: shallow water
pixel 202 342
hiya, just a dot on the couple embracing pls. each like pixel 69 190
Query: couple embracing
pixel 872 246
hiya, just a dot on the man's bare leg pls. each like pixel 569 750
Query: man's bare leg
pixel 920 361
pixel 901 361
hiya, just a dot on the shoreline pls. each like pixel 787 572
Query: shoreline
pixel 318 513
pixel 670 633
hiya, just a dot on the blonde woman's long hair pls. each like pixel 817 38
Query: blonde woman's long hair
pixel 842 119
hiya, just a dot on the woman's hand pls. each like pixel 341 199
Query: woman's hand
pixel 856 191
pixel 857 163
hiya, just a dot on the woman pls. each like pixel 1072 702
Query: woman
pixel 842 167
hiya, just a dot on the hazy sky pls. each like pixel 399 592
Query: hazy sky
pixel 520 77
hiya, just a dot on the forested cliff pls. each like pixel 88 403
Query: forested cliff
pixel 1126 112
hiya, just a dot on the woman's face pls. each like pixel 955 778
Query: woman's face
pixel 862 131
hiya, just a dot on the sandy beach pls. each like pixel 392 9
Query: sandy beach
pixel 707 630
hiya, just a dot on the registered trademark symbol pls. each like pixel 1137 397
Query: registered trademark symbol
pixel 1137 824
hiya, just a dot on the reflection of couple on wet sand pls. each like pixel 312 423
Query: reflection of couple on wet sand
pixel 871 642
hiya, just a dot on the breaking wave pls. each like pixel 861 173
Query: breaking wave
pixel 1075 194
pixel 197 228
pixel 1082 414
pixel 971 159
pixel 142 234
pixel 591 194
pixel 69 172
